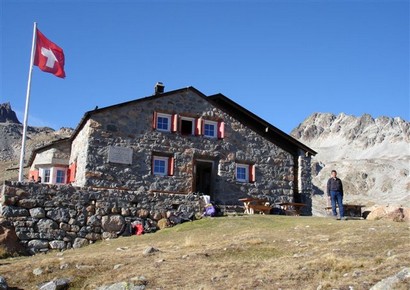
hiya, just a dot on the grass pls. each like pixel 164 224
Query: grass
pixel 247 252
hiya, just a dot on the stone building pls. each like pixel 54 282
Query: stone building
pixel 180 142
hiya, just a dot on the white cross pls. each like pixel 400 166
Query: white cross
pixel 51 58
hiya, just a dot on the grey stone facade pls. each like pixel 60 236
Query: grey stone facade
pixel 129 125
pixel 61 217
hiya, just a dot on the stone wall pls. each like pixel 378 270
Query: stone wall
pixel 130 126
pixel 61 217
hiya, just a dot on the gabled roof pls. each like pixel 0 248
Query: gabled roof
pixel 88 114
pixel 259 125
pixel 220 101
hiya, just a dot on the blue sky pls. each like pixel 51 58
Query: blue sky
pixel 283 60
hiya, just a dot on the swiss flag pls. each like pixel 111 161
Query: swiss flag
pixel 49 57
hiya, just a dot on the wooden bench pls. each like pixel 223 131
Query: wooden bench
pixel 252 205
pixel 351 210
pixel 292 208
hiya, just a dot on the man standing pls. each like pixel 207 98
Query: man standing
pixel 335 193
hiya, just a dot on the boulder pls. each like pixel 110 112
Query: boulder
pixel 57 284
pixel 9 242
pixel 394 281
pixel 37 245
pixel 392 213
pixel 112 223
pixel 122 286
pixel 12 211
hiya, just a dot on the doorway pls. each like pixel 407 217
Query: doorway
pixel 204 177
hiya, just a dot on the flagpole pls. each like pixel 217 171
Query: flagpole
pixel 23 141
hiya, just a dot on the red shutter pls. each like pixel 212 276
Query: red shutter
pixel 252 173
pixel 221 130
pixel 171 162
pixel 34 174
pixel 174 123
pixel 198 127
pixel 154 120
pixel 71 172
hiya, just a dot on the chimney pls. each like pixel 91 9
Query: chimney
pixel 159 88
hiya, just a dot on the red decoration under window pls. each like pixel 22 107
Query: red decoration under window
pixel 34 174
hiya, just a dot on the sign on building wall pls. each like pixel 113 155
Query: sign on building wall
pixel 120 155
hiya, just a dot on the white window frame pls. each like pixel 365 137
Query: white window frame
pixel 166 116
pixel 192 120
pixel 244 166
pixel 212 123
pixel 160 158
pixel 43 174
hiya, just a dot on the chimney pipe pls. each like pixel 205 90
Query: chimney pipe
pixel 159 88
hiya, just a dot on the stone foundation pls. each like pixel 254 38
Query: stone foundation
pixel 61 217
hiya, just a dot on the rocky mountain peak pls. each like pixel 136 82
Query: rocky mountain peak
pixel 7 115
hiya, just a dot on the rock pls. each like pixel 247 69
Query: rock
pixel 392 213
pixel 37 212
pixel 11 211
pixel 38 271
pixel 149 250
pixel 59 245
pixel 84 267
pixel 162 224
pixel 392 282
pixel 7 115
pixel 9 242
pixel 3 283
pixel 38 244
pixel 112 223
pixel 58 284
pixel 116 267
pixel 79 243
pixel 122 286
pixel 108 235
pixel 44 225
pixel 143 213
pixel 59 214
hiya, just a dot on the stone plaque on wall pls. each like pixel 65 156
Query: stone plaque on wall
pixel 120 155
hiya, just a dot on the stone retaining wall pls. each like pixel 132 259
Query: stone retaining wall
pixel 61 217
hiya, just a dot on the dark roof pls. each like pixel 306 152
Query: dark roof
pixel 222 102
pixel 259 125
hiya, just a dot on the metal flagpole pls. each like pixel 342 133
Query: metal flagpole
pixel 23 141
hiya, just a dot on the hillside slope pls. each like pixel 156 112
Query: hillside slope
pixel 11 132
pixel 372 157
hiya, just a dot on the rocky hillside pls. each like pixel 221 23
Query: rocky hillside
pixel 11 131
pixel 372 157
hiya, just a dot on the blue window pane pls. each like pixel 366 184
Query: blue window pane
pixel 162 123
pixel 60 176
pixel 159 166
pixel 241 173
pixel 209 130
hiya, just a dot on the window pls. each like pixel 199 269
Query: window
pixel 46 178
pixel 210 129
pixel 242 172
pixel 160 165
pixel 60 178
pixel 245 172
pixel 163 165
pixel 187 126
pixel 163 122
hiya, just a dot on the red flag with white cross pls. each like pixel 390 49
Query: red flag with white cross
pixel 49 57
